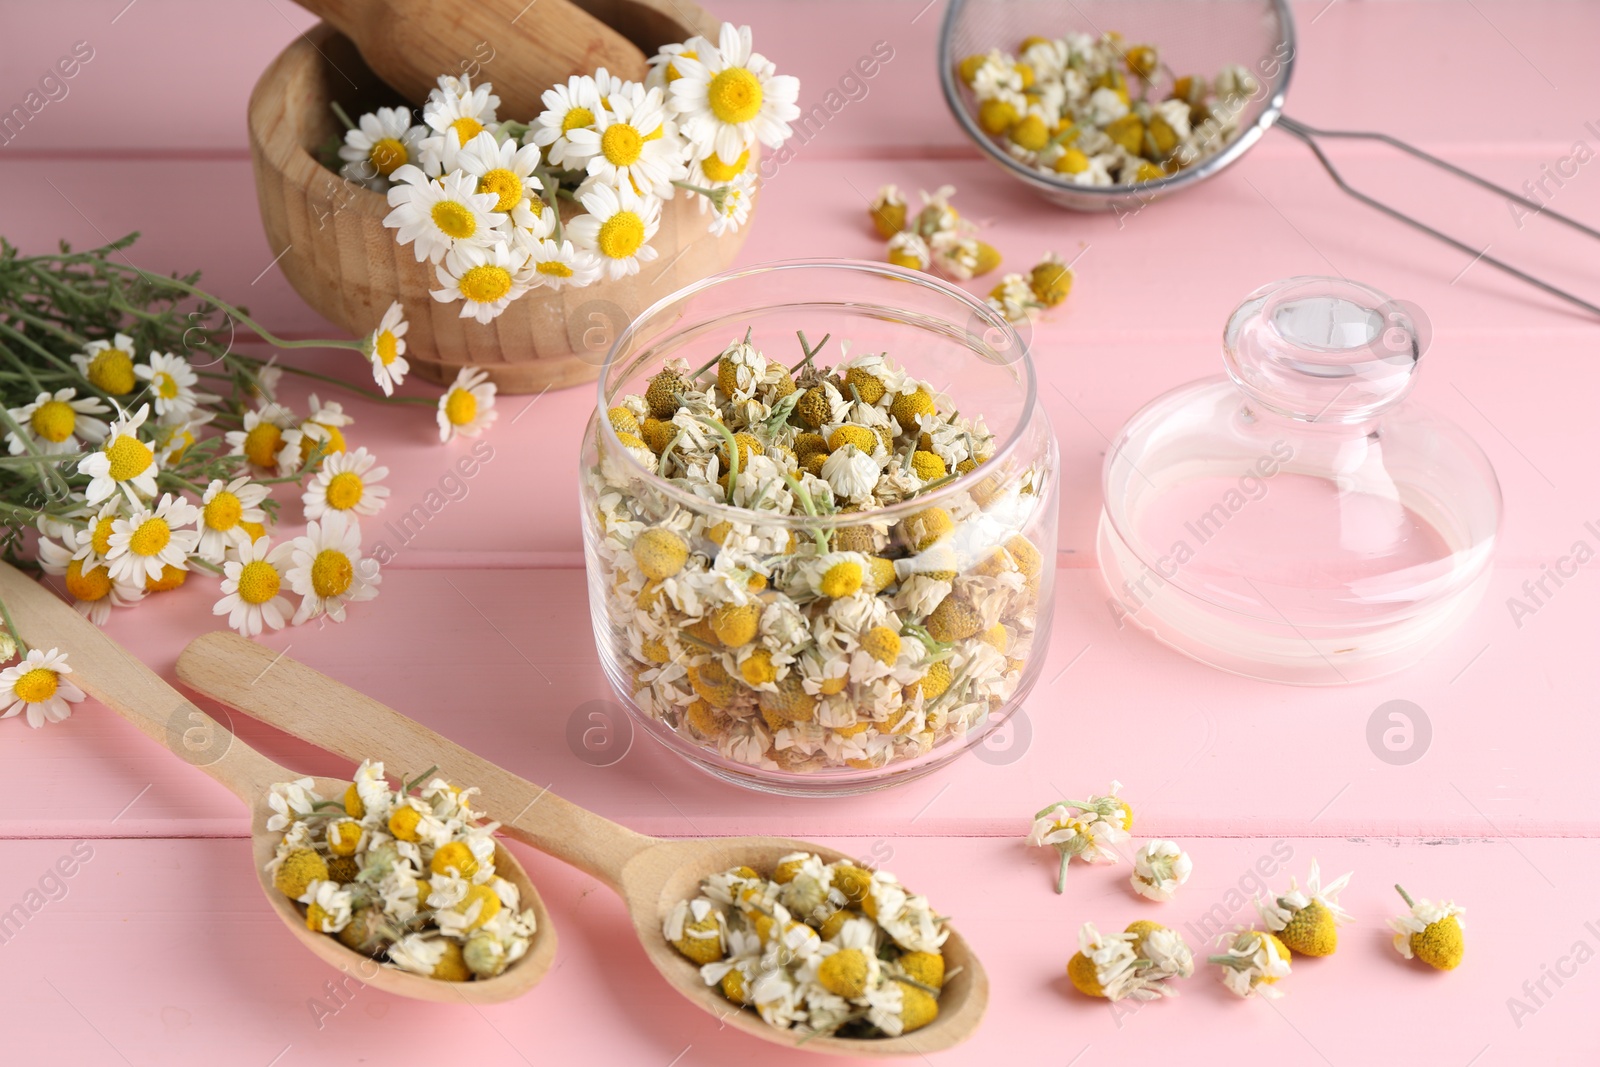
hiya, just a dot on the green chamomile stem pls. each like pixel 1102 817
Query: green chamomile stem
pixel 11 627
pixel 205 565
pixel 666 455
pixel 1404 895
pixel 733 452
pixel 407 787
pixel 808 350
pixel 804 496
pixel 371 393
pixel 714 361
pixel 340 112
pixel 1061 876
pixel 22 365
pixel 45 324
pixel 936 483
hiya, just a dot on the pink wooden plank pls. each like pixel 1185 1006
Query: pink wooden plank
pixel 501 661
pixel 1536 85
pixel 225 982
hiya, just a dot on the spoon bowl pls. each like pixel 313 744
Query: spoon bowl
pixel 107 672
pixel 649 874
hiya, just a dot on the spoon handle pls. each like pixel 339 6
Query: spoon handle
pixel 304 703
pixel 106 671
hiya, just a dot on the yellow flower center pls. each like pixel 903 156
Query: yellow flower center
pixel 95 585
pixel 577 118
pixel 331 573
pixel 330 441
pixel 171 577
pixel 254 530
pixel 112 371
pixel 504 184
pixel 54 420
pixel 454 219
pixel 466 128
pixel 166 386
pixel 735 95
pixel 387 155
pixel 621 145
pixel 36 686
pixel 485 284
pixel 262 443
pixel 535 204
pixel 387 347
pixel 461 407
pixel 222 512
pixel 130 457
pixel 101 539
pixel 621 235
pixel 180 437
pixel 259 582
pixel 150 538
pixel 555 268
pixel 344 490
pixel 718 171
pixel 672 72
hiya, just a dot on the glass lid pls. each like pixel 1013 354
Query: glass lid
pixel 1298 519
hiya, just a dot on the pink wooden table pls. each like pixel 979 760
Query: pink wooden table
pixel 161 951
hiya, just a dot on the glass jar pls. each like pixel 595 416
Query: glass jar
pixel 737 647
pixel 1299 520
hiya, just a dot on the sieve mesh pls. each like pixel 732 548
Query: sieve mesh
pixel 1193 37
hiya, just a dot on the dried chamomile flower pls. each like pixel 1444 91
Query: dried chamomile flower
pixel 1433 933
pixel 1253 964
pixel 1307 920
pixel 1109 966
pixel 1165 948
pixel 1081 831
pixel 1159 868
pixel 888 212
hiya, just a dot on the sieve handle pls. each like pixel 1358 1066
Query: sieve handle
pixel 1309 135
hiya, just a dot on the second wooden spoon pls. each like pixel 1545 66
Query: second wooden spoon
pixel 650 874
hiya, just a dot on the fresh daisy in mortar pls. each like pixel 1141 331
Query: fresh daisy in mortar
pixel 617 227
pixel 731 96
pixel 381 143
pixel 485 278
pixel 58 423
pixel 510 173
pixel 38 684
pixel 437 215
pixel 628 147
pixel 567 108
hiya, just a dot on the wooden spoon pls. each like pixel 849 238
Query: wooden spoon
pixel 650 874
pixel 107 672
pixel 522 47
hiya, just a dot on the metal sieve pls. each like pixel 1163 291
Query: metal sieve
pixel 1200 37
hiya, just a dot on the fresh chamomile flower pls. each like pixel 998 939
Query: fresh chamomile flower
pixel 467 407
pixel 90 585
pixel 617 227
pixel 1075 834
pixel 262 439
pixel 485 278
pixel 1307 920
pixel 1253 964
pixel 291 802
pixel 438 215
pixel 1433 933
pixel 737 197
pixel 662 72
pixel 173 439
pixel 251 587
pixel 729 97
pixel 149 540
pixel 328 570
pixel 171 385
pixel 559 264
pixel 567 108
pixel 455 113
pixel 509 172
pixel 386 348
pixel 108 365
pixel 629 145
pixel 1159 868
pixel 124 462
pixel 58 423
pixel 382 142
pixel 348 481
pixel 224 509
pixel 39 684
